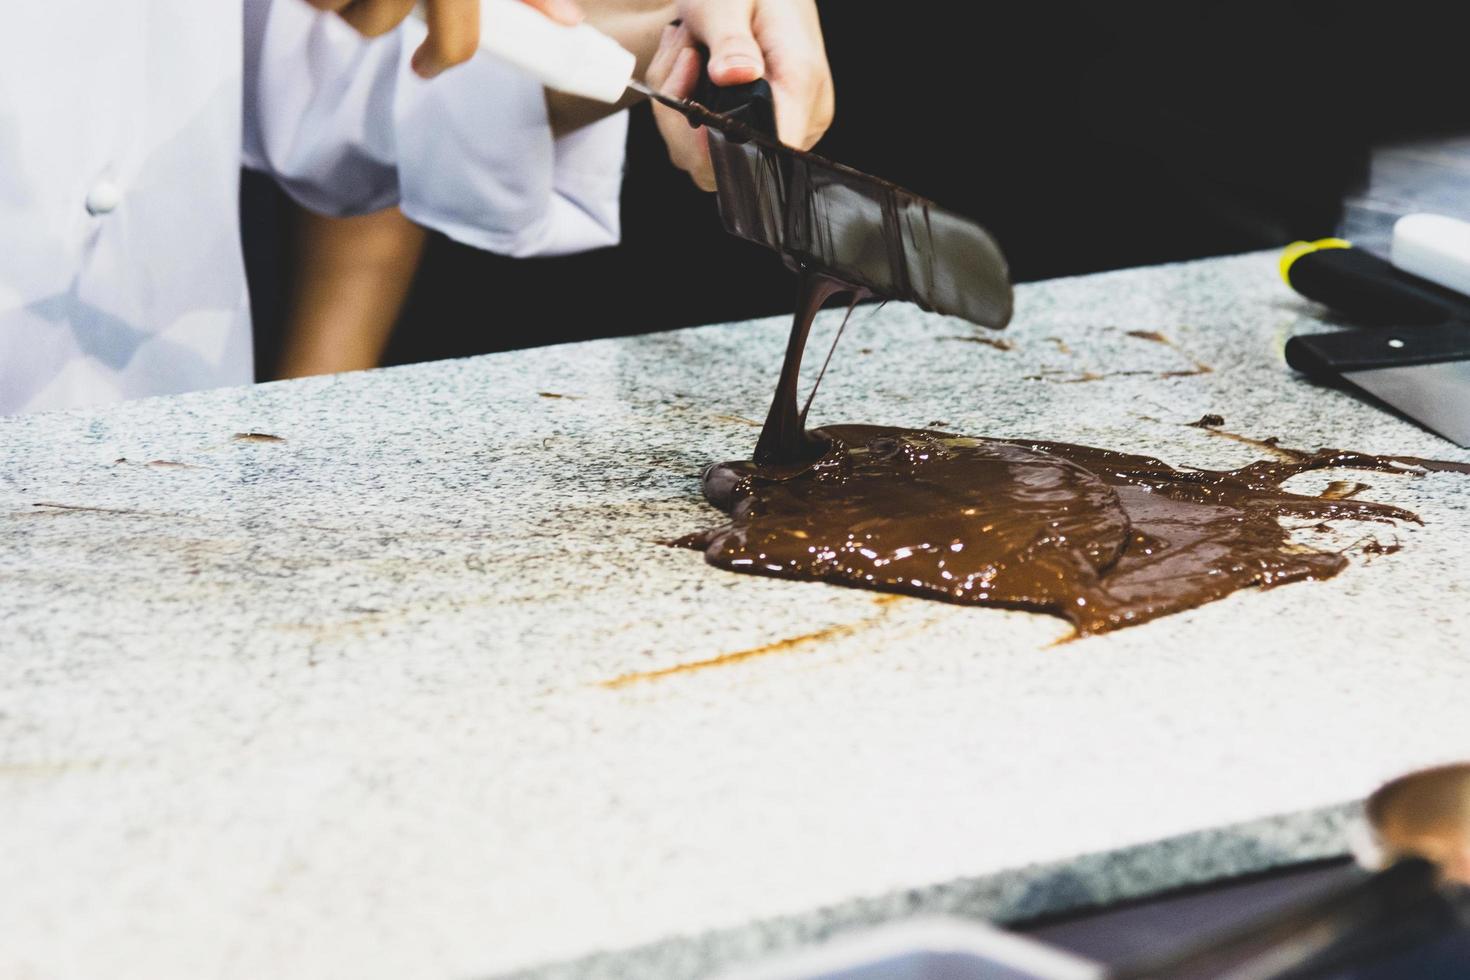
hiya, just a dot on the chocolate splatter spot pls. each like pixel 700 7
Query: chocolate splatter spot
pixel 1343 490
pixel 1376 547
pixel 995 342
pixel 1152 335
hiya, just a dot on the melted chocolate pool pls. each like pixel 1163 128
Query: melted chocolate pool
pixel 1104 539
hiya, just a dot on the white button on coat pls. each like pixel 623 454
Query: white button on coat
pixel 138 107
pixel 104 197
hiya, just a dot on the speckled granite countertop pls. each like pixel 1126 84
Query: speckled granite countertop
pixel 335 704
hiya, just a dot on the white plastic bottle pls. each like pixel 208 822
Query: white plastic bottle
pixel 1434 247
pixel 578 60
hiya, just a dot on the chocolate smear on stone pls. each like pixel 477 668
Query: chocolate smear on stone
pixel 1103 539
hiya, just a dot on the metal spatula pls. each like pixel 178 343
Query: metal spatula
pixel 830 219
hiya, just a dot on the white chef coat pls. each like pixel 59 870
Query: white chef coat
pixel 123 125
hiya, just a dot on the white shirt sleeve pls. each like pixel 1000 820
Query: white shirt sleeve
pixel 346 127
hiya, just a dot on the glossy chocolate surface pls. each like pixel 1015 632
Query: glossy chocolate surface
pixel 1103 539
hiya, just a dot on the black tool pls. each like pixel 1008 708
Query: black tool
pixel 1416 354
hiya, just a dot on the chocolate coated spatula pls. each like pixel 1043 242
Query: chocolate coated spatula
pixel 834 221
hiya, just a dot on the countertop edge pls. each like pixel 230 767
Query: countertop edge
pixel 1015 895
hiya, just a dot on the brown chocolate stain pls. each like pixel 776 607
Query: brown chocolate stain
pixel 1154 336
pixel 157 464
pixel 67 508
pixel 995 342
pixel 1343 490
pixel 1375 547
pixel 256 437
pixel 1072 378
pixel 740 656
pixel 1271 444
pixel 1103 539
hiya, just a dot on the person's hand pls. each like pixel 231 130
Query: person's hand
pixel 454 25
pixel 779 40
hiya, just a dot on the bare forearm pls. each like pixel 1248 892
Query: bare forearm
pixel 352 276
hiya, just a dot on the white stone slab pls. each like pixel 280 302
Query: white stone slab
pixel 334 706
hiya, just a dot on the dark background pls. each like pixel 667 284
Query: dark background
pixel 1085 137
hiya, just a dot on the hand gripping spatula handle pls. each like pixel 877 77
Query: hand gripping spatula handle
pixel 819 215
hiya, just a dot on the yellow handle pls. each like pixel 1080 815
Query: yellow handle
pixel 1296 250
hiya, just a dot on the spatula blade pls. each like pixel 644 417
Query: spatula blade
pixel 1437 396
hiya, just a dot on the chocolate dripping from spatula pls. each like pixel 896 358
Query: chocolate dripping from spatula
pixel 784 438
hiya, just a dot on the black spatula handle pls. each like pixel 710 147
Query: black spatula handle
pixel 1325 355
pixel 1365 288
pixel 752 103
